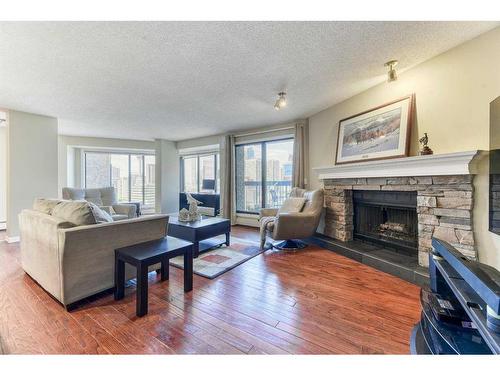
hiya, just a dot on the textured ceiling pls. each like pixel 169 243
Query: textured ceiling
pixel 179 80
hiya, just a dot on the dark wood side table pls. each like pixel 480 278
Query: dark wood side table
pixel 200 232
pixel 145 254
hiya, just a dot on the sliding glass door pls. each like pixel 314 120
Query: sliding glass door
pixel 263 174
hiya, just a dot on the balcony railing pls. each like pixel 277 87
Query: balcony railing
pixel 249 195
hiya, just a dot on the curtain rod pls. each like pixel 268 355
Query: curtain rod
pixel 263 131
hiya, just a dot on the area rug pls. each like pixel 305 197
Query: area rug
pixel 215 262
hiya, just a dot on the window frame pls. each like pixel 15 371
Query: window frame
pixel 263 169
pixel 129 156
pixel 215 154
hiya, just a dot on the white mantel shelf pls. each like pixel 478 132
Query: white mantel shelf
pixel 457 163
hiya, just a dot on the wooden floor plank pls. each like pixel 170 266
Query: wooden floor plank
pixel 308 301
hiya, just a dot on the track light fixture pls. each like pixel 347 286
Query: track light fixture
pixel 281 101
pixel 392 75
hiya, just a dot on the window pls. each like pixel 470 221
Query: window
pixel 263 174
pixel 132 175
pixel 200 173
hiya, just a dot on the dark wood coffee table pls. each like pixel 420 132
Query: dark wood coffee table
pixel 200 232
pixel 146 254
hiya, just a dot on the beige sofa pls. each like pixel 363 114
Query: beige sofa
pixel 292 226
pixel 105 198
pixel 74 262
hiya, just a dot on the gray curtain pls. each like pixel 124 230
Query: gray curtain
pixel 300 153
pixel 227 191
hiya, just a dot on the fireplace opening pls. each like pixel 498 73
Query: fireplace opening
pixel 387 218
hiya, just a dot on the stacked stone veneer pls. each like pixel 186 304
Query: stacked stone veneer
pixel 444 208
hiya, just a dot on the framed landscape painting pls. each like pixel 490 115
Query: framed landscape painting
pixel 379 133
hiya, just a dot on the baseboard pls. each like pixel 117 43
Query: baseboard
pixel 12 239
pixel 250 221
pixel 3 225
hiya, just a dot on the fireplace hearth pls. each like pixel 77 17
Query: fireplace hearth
pixel 387 218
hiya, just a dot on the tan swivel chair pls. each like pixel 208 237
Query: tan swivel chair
pixel 290 227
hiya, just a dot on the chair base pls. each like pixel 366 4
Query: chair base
pixel 290 245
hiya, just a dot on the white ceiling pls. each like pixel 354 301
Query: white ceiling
pixel 180 80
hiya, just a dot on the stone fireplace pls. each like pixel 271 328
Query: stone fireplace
pixel 414 199
pixel 387 218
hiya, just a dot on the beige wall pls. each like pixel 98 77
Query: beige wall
pixel 3 175
pixel 31 163
pixel 453 92
pixel 167 177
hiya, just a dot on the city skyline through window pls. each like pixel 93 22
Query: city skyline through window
pixel 263 174
pixel 132 175
pixel 200 173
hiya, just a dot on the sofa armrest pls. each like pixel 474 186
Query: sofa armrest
pixel 40 248
pixel 126 209
pixel 88 252
pixel 267 212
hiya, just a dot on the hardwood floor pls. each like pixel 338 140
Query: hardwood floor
pixel 311 301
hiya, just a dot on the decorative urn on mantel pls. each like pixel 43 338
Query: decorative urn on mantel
pixel 443 185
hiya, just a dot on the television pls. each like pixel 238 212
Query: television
pixel 494 201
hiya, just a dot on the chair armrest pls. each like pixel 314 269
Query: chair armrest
pixel 126 209
pixel 267 212
pixel 295 225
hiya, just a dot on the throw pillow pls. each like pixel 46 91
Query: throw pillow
pixel 100 216
pixel 75 212
pixel 292 205
pixel 45 205
pixel 109 209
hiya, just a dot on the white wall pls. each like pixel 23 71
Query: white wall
pixel 453 95
pixel 3 175
pixel 167 177
pixel 31 163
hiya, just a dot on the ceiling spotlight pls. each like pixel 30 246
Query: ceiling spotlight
pixel 281 101
pixel 392 75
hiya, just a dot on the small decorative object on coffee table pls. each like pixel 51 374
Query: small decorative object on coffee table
pixel 200 232
pixel 426 150
pixel 184 215
pixel 146 254
pixel 192 214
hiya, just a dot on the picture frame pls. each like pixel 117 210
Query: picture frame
pixel 382 132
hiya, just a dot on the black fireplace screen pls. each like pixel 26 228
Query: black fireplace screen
pixel 388 218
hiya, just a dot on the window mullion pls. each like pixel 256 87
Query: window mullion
pixel 129 178
pixel 143 179
pixel 263 173
pixel 198 166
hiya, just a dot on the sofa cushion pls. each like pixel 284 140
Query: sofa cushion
pixel 75 212
pixel 45 205
pixel 291 205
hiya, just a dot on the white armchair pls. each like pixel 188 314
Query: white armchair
pixel 105 198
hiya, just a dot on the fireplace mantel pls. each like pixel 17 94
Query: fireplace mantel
pixel 457 163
